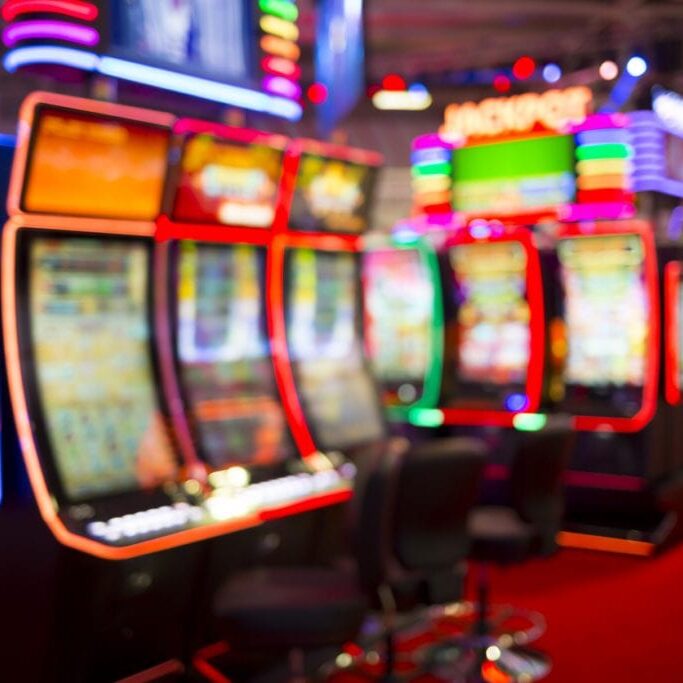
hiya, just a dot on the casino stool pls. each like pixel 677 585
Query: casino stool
pixel 407 526
pixel 297 609
pixel 437 484
pixel 527 528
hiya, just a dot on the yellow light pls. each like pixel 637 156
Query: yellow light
pixel 280 47
pixel 434 183
pixel 402 100
pixel 603 166
pixel 279 27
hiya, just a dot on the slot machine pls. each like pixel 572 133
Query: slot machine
pixel 518 346
pixel 214 255
pixel 317 299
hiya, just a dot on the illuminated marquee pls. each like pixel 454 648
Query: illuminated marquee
pixel 553 110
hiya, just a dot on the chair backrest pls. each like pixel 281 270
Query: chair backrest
pixel 536 478
pixel 371 508
pixel 438 482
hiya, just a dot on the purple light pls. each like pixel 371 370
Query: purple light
pixel 597 211
pixel 431 140
pixel 675 228
pixel 279 85
pixel 597 121
pixel 51 30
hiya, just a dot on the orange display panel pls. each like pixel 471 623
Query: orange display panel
pixel 95 165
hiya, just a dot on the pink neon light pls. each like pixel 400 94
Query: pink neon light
pixel 281 67
pixel 430 140
pixel 598 121
pixel 85 11
pixel 51 29
pixel 279 85
pixel 597 211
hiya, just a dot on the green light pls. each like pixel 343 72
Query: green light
pixel 425 417
pixel 280 8
pixel 438 168
pixel 608 150
pixel 529 422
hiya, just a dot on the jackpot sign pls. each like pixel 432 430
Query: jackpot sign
pixel 553 110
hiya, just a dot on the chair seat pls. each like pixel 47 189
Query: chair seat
pixel 500 536
pixel 287 607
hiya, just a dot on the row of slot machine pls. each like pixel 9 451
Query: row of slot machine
pixel 198 334
pixel 185 370
pixel 541 277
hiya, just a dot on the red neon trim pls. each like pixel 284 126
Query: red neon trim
pixel 155 673
pixel 601 480
pixel 591 423
pixel 85 11
pixel 290 169
pixel 604 196
pixel 534 297
pixel 169 377
pixel 360 156
pixel 166 229
pixel 313 503
pixel 281 67
pixel 277 329
pixel 672 344
pixel 205 668
pixel 570 539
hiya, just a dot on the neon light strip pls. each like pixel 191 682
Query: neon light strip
pixel 279 27
pixel 656 183
pixel 280 8
pixel 281 67
pixel 153 76
pixel 430 140
pixel 596 211
pixel 610 150
pixel 430 155
pixel 438 168
pixel 279 85
pixel 52 30
pixel 50 54
pixel 602 121
pixel 85 11
pixel 601 166
pixel 672 351
pixel 590 137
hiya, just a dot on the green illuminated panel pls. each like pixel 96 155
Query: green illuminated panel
pixel 280 8
pixel 515 176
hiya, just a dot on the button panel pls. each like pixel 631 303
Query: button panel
pixel 221 504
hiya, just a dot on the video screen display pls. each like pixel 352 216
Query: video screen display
pixel 606 310
pixel 514 177
pixel 90 337
pixel 399 305
pixel 224 355
pixel 332 195
pixel 88 165
pixel 227 182
pixel 208 38
pixel 323 332
pixel 493 335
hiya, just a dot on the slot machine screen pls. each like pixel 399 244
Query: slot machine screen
pixel 208 38
pixel 229 183
pixel 224 355
pixel 89 324
pixel 491 333
pixel 606 311
pixel 89 165
pixel 399 299
pixel 323 331
pixel 332 195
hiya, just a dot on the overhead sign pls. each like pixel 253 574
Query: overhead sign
pixel 553 110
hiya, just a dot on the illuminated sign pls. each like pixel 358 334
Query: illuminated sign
pixel 668 106
pixel 193 47
pixel 554 110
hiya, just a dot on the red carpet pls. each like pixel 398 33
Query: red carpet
pixel 611 618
